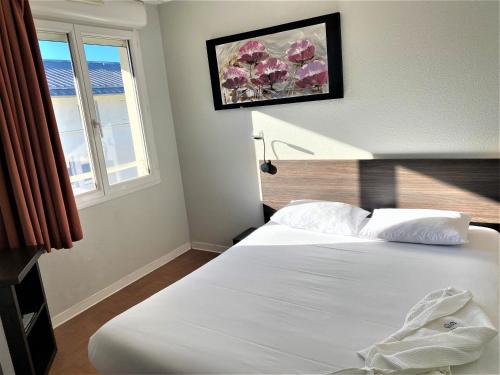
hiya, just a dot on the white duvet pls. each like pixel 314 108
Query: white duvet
pixel 290 301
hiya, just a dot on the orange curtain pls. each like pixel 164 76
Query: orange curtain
pixel 37 206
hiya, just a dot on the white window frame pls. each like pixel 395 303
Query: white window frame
pixel 104 191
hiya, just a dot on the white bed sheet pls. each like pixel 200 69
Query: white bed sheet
pixel 291 301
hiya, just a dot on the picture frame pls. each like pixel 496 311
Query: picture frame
pixel 294 62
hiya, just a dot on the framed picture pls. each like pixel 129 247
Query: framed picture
pixel 294 62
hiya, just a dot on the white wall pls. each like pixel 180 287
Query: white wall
pixel 421 79
pixel 126 233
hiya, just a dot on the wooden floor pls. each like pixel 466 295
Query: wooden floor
pixel 73 336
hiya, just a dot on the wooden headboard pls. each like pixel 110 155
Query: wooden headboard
pixel 467 185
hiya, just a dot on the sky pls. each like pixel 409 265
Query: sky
pixel 60 51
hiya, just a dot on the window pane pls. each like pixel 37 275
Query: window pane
pixel 61 79
pixel 115 98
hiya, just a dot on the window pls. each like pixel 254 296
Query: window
pixel 94 78
pixel 68 110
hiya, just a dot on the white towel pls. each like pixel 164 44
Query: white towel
pixel 446 328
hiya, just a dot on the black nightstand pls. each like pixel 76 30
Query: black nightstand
pixel 23 309
pixel 242 235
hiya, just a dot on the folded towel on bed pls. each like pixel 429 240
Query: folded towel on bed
pixel 446 328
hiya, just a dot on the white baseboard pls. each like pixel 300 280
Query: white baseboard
pixel 81 306
pixel 205 246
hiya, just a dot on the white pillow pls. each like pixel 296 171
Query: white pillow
pixel 434 227
pixel 322 216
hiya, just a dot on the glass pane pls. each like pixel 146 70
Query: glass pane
pixel 115 98
pixel 61 79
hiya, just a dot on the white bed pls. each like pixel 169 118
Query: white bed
pixel 291 301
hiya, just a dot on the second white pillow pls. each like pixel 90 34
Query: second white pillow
pixel 418 226
pixel 322 216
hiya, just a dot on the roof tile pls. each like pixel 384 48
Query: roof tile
pixel 106 77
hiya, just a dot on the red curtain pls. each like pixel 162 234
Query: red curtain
pixel 37 206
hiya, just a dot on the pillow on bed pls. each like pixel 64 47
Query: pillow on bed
pixel 322 216
pixel 434 227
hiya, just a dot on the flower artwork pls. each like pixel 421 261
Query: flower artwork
pixel 280 65
pixel 277 65
pixel 312 75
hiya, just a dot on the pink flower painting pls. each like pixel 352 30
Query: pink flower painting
pixel 234 78
pixel 252 52
pixel 288 65
pixel 300 51
pixel 270 72
pixel 312 75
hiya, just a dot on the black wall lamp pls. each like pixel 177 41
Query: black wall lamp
pixel 266 166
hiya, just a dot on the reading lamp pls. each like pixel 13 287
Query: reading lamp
pixel 266 166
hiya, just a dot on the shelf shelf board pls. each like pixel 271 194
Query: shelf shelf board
pixel 34 318
pixel 15 263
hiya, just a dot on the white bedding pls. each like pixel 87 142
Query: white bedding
pixel 290 301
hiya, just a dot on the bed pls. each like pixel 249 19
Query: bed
pixel 292 301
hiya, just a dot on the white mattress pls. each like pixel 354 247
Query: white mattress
pixel 292 301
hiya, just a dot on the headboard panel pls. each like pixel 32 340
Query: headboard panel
pixel 467 185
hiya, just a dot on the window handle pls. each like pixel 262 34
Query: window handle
pixel 97 125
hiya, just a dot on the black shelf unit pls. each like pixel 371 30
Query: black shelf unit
pixel 24 312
